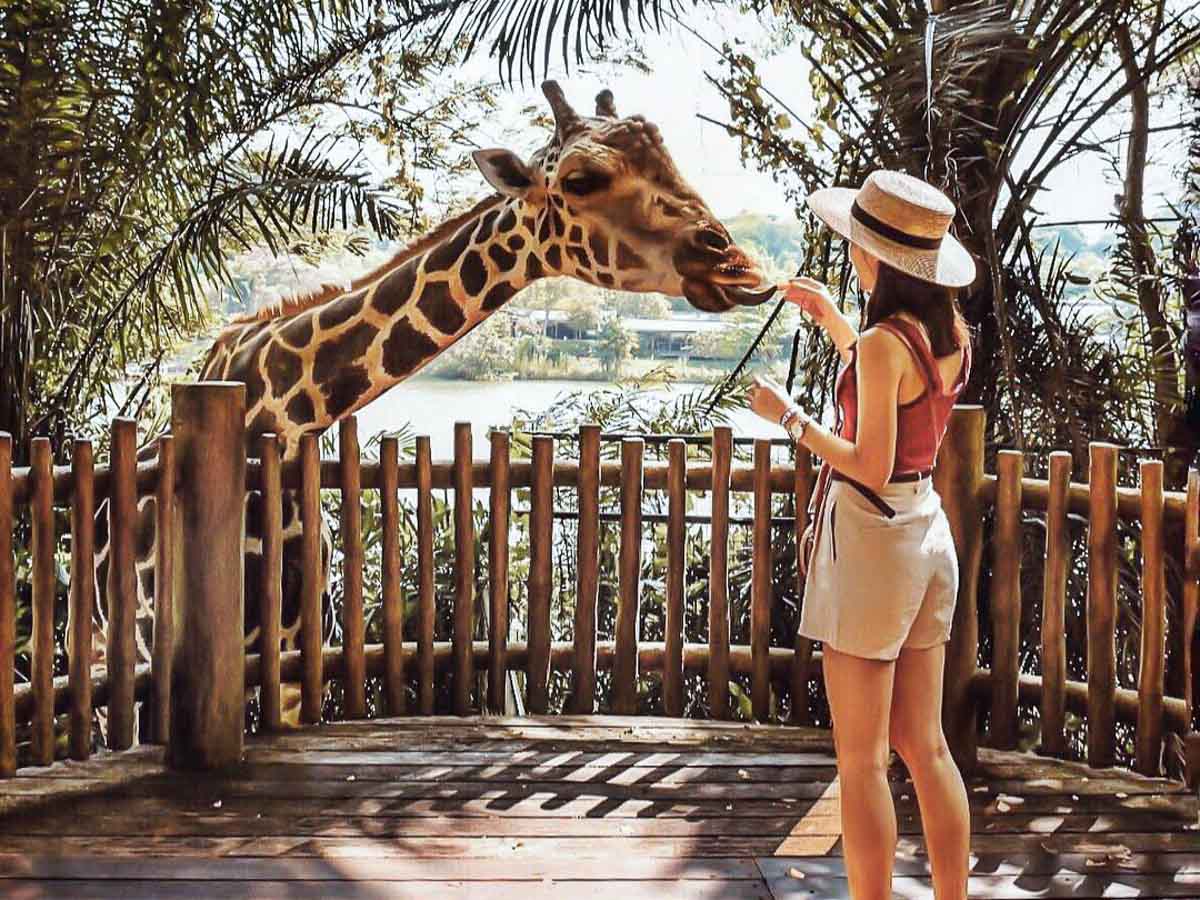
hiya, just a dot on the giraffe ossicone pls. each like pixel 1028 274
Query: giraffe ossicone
pixel 602 201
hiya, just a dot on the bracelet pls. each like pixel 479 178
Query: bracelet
pixel 789 419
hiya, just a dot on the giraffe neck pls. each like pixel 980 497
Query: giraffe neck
pixel 308 370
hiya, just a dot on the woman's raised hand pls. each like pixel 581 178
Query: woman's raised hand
pixel 768 399
pixel 812 297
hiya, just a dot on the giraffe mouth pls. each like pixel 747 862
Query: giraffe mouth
pixel 718 298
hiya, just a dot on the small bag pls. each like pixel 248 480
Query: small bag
pixel 808 540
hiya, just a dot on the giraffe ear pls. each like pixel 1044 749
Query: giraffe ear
pixel 504 171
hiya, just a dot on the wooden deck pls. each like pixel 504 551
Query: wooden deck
pixel 562 807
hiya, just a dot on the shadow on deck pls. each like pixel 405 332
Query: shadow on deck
pixel 562 807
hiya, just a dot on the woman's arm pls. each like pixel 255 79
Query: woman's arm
pixel 870 457
pixel 814 298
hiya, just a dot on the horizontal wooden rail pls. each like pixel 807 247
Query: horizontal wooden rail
pixel 147 482
pixel 24 698
pixel 1035 494
pixel 650 656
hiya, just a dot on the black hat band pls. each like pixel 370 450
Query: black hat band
pixel 895 235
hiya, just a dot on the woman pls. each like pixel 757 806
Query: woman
pixel 882 580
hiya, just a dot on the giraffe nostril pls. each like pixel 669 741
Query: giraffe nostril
pixel 713 239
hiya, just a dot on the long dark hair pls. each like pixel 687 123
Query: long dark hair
pixel 935 306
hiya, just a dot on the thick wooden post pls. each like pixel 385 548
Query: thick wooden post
pixel 208 693
pixel 958 477
pixel 312 684
pixel 426 610
pixel 122 583
pixel 393 598
pixel 271 585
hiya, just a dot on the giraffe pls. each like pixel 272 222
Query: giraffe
pixel 602 201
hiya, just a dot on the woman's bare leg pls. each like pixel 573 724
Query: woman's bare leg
pixel 916 723
pixel 858 689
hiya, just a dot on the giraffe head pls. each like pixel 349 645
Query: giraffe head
pixel 607 205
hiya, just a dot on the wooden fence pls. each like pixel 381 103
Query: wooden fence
pixel 196 683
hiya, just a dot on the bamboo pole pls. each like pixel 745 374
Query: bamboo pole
pixel 760 589
pixel 41 507
pixel 958 478
pixel 588 560
pixel 1102 605
pixel 1054 608
pixel 676 587
pixel 354 686
pixel 464 570
pixel 718 576
pixel 393 598
pixel 122 583
pixel 270 589
pixel 1148 742
pixel 83 597
pixel 1006 600
pixel 500 502
pixel 311 637
pixel 426 611
pixel 541 579
pixel 625 670
pixel 164 591
pixel 803 647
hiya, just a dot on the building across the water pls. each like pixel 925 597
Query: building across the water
pixel 657 338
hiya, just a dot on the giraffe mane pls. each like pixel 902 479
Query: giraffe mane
pixel 326 292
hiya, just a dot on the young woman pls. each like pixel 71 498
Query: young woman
pixel 882 579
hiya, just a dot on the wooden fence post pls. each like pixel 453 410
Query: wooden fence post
pixel 208 674
pixel 1102 605
pixel 958 477
pixel 1005 600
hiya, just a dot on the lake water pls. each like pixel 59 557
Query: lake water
pixel 431 406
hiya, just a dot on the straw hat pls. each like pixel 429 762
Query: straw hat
pixel 902 220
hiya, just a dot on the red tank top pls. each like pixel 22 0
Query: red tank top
pixel 920 423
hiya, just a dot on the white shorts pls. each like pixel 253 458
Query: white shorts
pixel 874 584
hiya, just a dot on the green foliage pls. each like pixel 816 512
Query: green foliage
pixel 140 150
pixel 616 345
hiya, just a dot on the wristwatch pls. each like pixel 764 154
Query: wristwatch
pixel 794 422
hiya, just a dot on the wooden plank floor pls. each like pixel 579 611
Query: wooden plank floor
pixel 562 807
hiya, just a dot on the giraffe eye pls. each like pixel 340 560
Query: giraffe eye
pixel 584 182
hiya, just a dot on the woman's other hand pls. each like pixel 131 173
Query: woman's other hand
pixel 768 399
pixel 811 296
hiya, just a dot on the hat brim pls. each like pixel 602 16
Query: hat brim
pixel 950 265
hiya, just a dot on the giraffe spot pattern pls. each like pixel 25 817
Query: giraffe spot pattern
pixel 343 309
pixel 484 231
pixel 554 257
pixel 502 257
pixel 299 331
pixel 560 227
pixel 605 279
pixel 507 221
pixel 406 348
pixel 576 234
pixel 342 351
pixel 544 227
pixel 346 387
pixel 443 257
pixel 500 293
pixel 599 245
pixel 627 258
pixel 264 422
pixel 533 267
pixel 515 242
pixel 395 289
pixel 439 307
pixel 300 408
pixel 284 368
pixel 580 256
pixel 473 274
